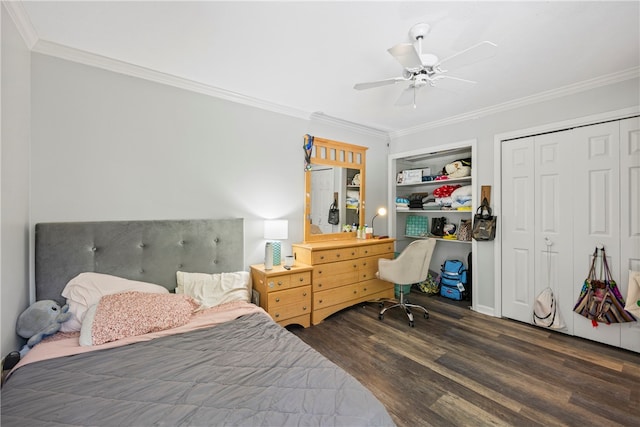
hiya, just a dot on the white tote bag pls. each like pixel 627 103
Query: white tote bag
pixel 545 311
pixel 633 294
pixel 545 307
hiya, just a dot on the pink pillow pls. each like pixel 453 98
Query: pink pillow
pixel 86 289
pixel 128 314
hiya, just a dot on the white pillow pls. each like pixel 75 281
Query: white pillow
pixel 86 289
pixel 465 190
pixel 215 289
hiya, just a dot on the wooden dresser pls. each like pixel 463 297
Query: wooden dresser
pixel 284 294
pixel 344 273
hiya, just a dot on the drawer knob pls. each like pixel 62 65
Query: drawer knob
pixel 304 308
pixel 364 263
pixel 277 299
pixel 337 255
pixel 304 294
pixel 355 292
pixel 365 289
pixel 321 256
pixel 277 314
pixel 320 301
pixel 279 283
pixel 301 279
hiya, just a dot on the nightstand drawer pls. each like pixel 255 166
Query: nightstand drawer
pixel 278 283
pixel 290 303
pixel 290 296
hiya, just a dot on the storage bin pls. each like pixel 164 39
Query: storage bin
pixel 417 225
pixel 406 289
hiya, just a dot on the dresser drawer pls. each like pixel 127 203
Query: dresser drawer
pixel 374 286
pixel 368 267
pixel 333 255
pixel 335 296
pixel 380 248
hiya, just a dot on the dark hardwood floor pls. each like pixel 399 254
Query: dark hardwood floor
pixel 462 368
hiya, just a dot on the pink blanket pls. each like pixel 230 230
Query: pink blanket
pixel 66 344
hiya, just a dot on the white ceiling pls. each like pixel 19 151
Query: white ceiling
pixel 305 57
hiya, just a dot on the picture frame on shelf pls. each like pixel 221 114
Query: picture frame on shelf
pixel 400 178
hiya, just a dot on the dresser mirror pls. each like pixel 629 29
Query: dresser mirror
pixel 336 174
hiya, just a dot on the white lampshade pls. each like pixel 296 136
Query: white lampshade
pixel 276 229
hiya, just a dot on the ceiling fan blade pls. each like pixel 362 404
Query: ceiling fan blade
pixel 369 85
pixel 451 83
pixel 406 55
pixel 475 53
pixel 408 96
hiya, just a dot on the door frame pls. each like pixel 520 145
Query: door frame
pixel 497 177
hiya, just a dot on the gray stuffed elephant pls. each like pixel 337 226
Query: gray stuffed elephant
pixel 39 320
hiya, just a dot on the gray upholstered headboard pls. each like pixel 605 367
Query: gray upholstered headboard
pixel 148 251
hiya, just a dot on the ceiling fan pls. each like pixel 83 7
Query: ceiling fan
pixel 422 69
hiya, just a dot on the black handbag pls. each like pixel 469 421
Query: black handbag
pixel 484 224
pixel 334 214
pixel 437 226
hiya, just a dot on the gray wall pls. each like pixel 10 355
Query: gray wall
pixel 592 102
pixel 14 180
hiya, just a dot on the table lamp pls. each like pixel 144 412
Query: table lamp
pixel 274 229
pixel 382 211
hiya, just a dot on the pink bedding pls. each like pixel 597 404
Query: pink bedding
pixel 66 344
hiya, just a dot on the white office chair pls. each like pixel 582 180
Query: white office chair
pixel 411 266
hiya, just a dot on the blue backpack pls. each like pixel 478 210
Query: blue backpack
pixel 453 280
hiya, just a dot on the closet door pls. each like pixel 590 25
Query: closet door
pixel 554 206
pixel 537 230
pixel 596 213
pixel 629 218
pixel 517 229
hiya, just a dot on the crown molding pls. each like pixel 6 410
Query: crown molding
pixel 87 58
pixel 320 117
pixel 582 86
pixel 19 16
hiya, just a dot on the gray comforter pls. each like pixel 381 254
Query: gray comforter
pixel 246 372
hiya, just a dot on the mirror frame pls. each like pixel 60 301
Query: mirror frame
pixel 339 154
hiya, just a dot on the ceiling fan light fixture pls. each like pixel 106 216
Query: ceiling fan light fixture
pixel 418 31
pixel 429 59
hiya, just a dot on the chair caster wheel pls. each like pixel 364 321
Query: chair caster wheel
pixel 380 316
pixel 426 315
pixel 412 324
pixel 381 304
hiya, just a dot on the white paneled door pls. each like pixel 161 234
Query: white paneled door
pixel 563 193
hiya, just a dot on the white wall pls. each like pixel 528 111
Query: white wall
pixel 112 147
pixel 595 101
pixel 14 181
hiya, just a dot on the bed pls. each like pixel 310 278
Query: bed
pixel 230 364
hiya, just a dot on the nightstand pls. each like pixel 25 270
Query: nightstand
pixel 284 294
